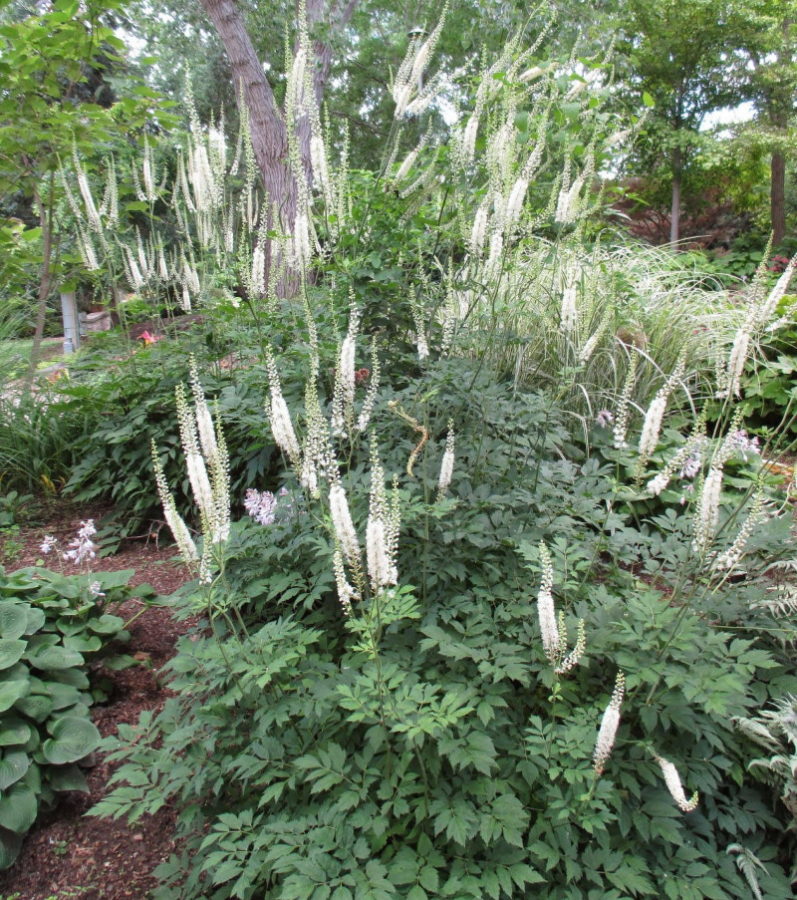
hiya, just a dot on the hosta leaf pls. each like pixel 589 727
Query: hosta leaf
pixel 11 652
pixel 72 738
pixel 106 624
pixel 13 731
pixel 55 658
pixel 75 677
pixel 10 845
pixel 36 706
pixel 63 695
pixel 66 778
pixel 18 808
pixel 11 692
pixel 36 619
pixel 13 620
pixel 83 643
pixel 12 767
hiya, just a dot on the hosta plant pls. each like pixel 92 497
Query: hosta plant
pixel 52 628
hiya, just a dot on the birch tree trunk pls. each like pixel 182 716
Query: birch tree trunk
pixel 675 211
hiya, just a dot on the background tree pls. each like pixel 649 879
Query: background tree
pixel 770 61
pixel 55 102
pixel 680 53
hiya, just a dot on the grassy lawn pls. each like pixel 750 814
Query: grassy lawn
pixel 15 355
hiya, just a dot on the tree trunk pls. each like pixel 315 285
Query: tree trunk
pixel 45 281
pixel 267 126
pixel 675 211
pixel 334 18
pixel 777 197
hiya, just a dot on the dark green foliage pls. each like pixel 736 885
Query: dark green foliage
pixel 52 627
pixel 423 747
pixel 769 383
pixel 131 402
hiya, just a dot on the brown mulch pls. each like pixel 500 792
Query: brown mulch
pixel 67 854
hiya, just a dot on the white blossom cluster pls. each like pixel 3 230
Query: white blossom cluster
pixel 607 733
pixel 207 465
pixel 673 781
pixel 447 463
pixel 82 548
pixel 345 377
pixel 622 411
pixel 409 94
pixel 553 632
pixel 758 314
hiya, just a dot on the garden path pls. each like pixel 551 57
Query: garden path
pixel 68 856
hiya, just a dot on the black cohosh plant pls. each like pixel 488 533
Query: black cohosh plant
pixel 407 719
pixel 441 674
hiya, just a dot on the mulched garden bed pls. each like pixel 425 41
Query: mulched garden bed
pixel 67 855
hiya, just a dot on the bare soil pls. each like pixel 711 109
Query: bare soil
pixel 70 855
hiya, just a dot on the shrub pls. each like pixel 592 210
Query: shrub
pixel 423 744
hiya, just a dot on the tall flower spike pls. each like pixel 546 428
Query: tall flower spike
pixel 569 309
pixel 346 593
pixel 622 411
pixel 178 528
pixel 690 454
pixel 731 557
pixel 571 660
pixel 673 781
pixel 610 722
pixel 551 641
pixel 367 409
pixel 220 477
pixel 204 421
pixel 280 417
pixel 381 567
pixel 343 524
pixel 420 326
pixel 195 464
pixel 345 375
pixel 447 464
pixel 707 513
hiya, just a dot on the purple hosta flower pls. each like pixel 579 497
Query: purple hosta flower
pixel 48 544
pixel 83 548
pixel 262 506
pixel 94 590
pixel 740 442
pixel 604 418
pixel 692 463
